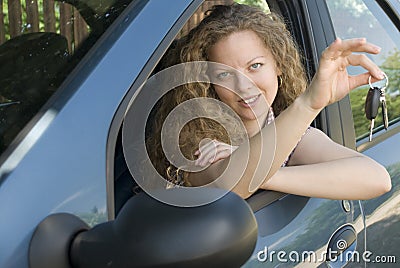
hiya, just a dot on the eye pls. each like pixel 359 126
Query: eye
pixel 255 66
pixel 223 75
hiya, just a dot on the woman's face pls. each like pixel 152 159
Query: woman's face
pixel 248 83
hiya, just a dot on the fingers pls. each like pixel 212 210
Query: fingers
pixel 340 55
pixel 368 64
pixel 206 153
pixel 206 148
pixel 332 81
pixel 221 155
pixel 212 152
pixel 361 79
pixel 343 48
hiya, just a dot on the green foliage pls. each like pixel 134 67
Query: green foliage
pixel 344 13
pixel 391 66
pixel 353 19
pixel 24 23
pixel 258 3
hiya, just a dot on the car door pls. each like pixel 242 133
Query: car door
pixel 292 230
pixel 56 161
pixel 379 22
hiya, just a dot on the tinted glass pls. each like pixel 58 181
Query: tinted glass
pixel 360 18
pixel 41 41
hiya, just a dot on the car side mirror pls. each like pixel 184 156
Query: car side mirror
pixel 149 233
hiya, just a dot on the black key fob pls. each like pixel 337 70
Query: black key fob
pixel 372 103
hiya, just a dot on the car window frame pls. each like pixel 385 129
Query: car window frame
pixel 304 34
pixel 335 120
pixel 144 74
pixel 256 202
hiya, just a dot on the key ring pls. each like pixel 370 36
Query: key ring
pixel 387 81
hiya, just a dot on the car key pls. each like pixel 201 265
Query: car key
pixel 384 108
pixel 376 96
pixel 371 107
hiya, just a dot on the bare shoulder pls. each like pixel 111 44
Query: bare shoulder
pixel 316 147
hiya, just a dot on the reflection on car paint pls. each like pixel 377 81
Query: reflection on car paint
pixel 295 236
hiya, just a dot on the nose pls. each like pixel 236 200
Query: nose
pixel 243 83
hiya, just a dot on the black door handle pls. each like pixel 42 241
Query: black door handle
pixel 341 246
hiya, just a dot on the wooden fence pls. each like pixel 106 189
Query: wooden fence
pixel 26 16
pixel 200 13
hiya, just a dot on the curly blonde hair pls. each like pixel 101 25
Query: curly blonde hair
pixel 220 22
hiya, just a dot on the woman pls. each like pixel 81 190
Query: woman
pixel 257 63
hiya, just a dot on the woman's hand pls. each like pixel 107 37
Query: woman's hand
pixel 212 152
pixel 331 81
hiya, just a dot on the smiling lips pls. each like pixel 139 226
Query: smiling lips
pixel 250 102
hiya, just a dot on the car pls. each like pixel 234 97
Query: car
pixel 70 73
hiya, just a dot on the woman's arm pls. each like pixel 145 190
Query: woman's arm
pixel 248 167
pixel 329 170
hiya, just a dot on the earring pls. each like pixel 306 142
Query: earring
pixel 280 82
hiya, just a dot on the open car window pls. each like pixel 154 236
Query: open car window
pixel 365 18
pixel 124 185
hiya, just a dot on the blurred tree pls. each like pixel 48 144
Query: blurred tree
pixel 259 3
pixel 354 19
pixel 391 66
